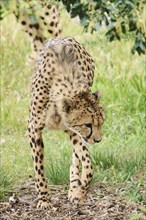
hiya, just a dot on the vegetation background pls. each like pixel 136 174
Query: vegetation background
pixel 120 158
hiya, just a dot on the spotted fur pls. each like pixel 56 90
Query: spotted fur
pixel 61 99
pixel 38 20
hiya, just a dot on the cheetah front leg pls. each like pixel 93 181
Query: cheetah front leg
pixel 37 147
pixel 79 185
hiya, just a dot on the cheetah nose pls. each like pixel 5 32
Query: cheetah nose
pixel 97 140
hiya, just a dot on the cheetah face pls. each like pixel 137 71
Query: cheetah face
pixel 84 115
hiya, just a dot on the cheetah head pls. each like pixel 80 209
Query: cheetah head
pixel 84 115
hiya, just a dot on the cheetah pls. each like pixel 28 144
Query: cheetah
pixel 61 99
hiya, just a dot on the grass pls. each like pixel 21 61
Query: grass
pixel 119 76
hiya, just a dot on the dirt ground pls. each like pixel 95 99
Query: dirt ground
pixel 102 204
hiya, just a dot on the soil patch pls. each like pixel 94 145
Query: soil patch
pixel 102 204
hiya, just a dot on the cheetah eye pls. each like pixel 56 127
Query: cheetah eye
pixel 89 125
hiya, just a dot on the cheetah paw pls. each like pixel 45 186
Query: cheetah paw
pixel 77 195
pixel 43 205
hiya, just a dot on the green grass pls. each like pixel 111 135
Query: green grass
pixel 119 76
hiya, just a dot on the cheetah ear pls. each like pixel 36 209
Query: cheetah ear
pixel 67 105
pixel 97 95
